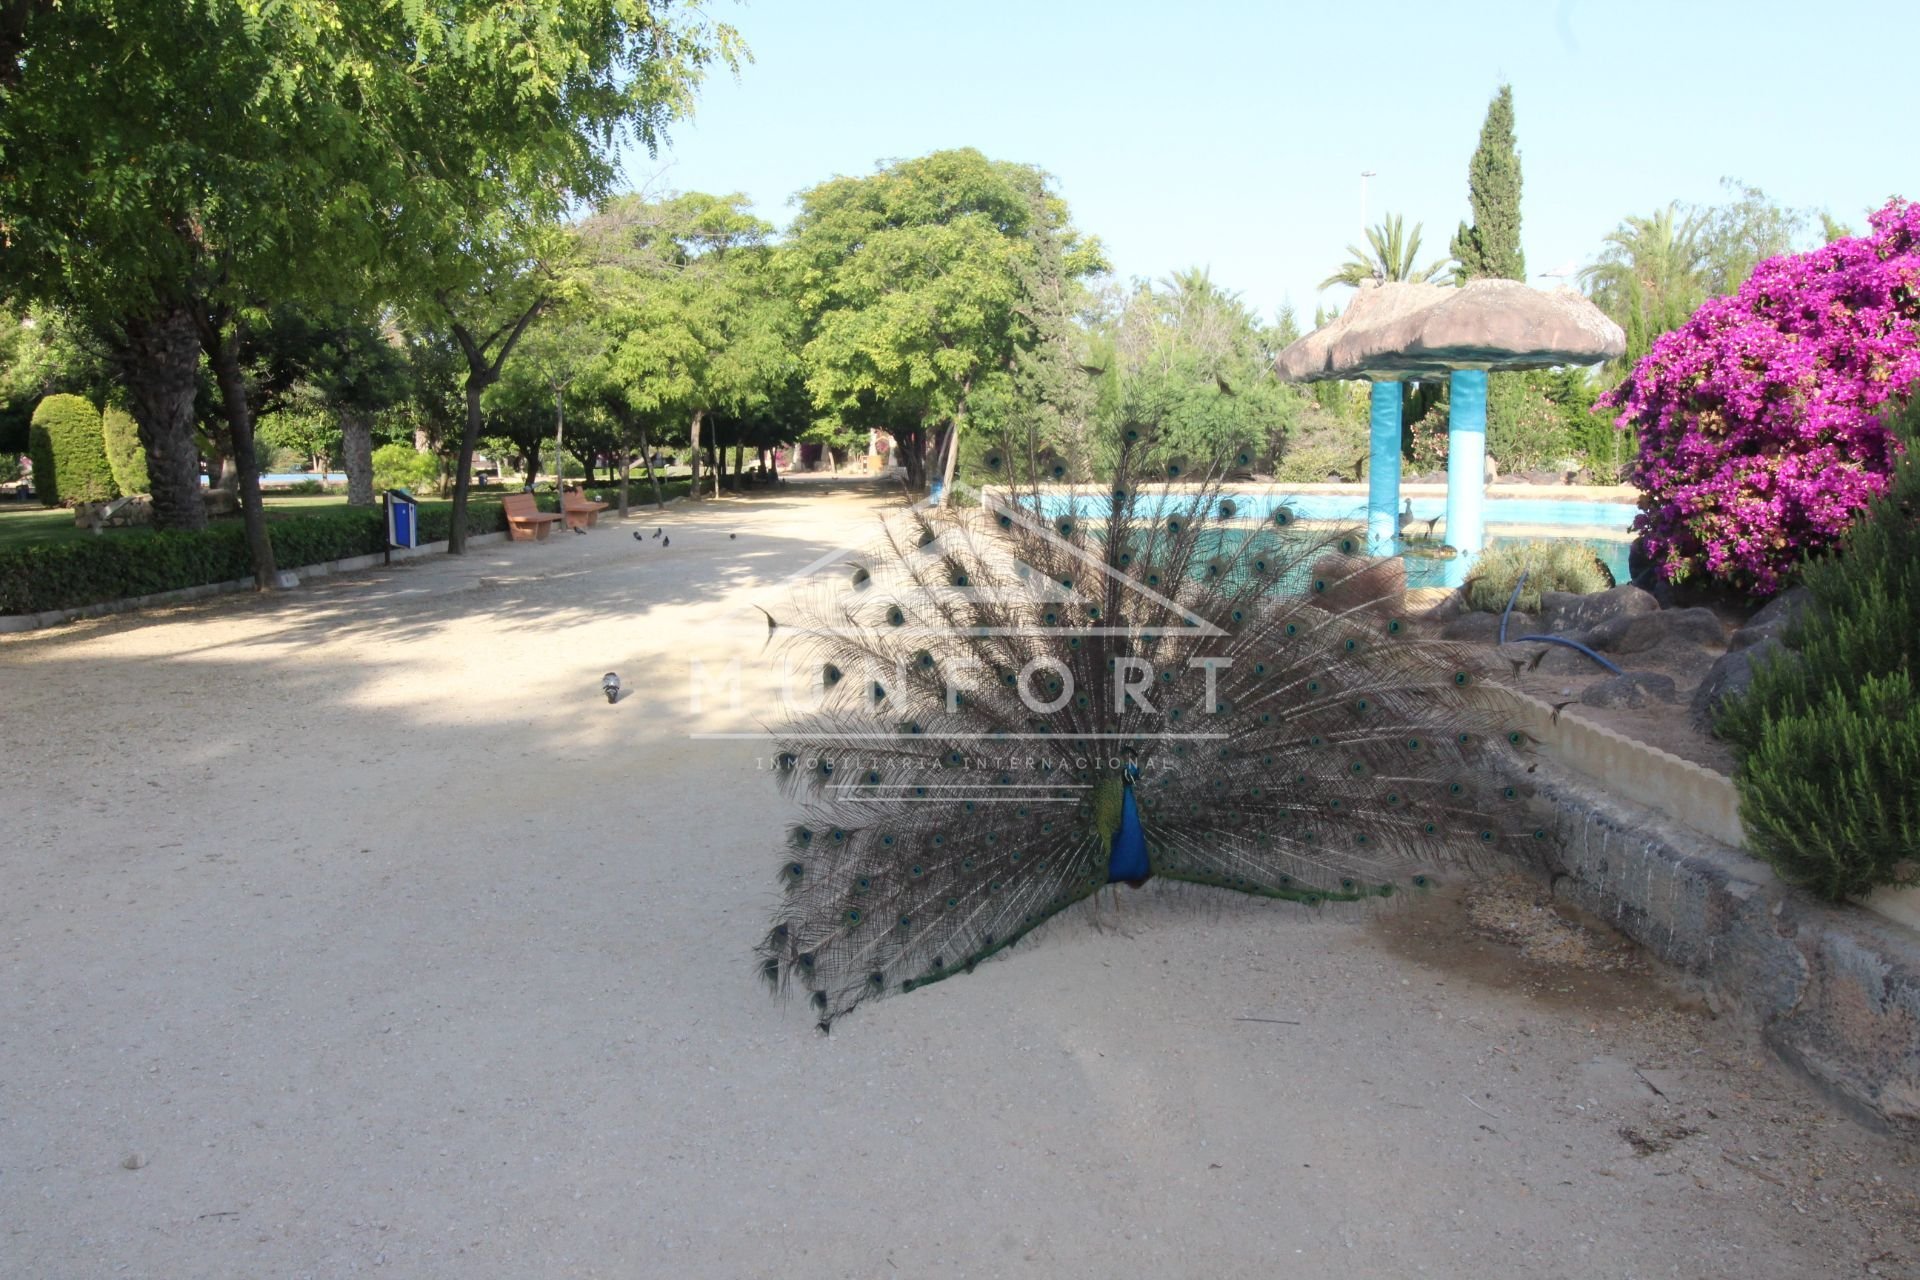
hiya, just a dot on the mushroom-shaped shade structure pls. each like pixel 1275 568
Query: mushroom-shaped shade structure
pixel 1395 331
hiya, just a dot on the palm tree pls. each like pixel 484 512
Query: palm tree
pixel 1651 276
pixel 1392 258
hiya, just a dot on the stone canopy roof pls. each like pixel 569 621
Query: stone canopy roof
pixel 1393 331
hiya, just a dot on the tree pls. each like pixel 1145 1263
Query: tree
pixel 699 330
pixel 1189 358
pixel 257 150
pixel 1650 276
pixel 1392 255
pixel 1490 247
pixel 912 284
pixel 339 369
pixel 512 123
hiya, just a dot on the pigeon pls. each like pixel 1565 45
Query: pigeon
pixel 732 536
pixel 667 541
pixel 637 537
pixel 656 533
pixel 610 685
pixel 582 532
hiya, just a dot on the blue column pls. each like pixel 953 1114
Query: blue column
pixel 1467 460
pixel 1383 471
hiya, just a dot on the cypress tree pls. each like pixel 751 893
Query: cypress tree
pixel 1491 246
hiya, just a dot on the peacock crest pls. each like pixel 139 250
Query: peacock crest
pixel 998 710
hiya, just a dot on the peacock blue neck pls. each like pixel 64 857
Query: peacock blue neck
pixel 1127 853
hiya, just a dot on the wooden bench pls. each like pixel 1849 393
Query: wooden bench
pixel 581 510
pixel 525 520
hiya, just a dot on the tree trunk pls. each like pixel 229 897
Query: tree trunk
pixel 739 465
pixel 477 380
pixel 693 489
pixel 626 476
pixel 717 465
pixel 356 452
pixel 159 361
pixel 223 348
pixel 646 451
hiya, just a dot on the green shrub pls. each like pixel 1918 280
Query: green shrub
pixel 1549 566
pixel 1827 737
pixel 401 466
pixel 303 488
pixel 125 456
pixel 1827 795
pixel 65 575
pixel 69 453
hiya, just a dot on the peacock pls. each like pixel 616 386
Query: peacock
pixel 1002 707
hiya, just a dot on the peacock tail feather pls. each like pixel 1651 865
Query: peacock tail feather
pixel 993 702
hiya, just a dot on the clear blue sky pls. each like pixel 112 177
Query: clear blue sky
pixel 1231 134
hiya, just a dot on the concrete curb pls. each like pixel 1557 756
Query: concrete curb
pixel 1833 990
pixel 20 622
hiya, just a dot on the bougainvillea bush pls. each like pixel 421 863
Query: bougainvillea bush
pixel 1761 419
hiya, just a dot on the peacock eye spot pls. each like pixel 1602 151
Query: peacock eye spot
pixel 1462 679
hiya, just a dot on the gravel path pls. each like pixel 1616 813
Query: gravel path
pixel 351 930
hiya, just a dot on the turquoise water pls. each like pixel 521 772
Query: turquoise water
pixel 1335 507
pixel 1540 514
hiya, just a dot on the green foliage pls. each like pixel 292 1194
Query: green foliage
pixel 913 284
pixel 1391 255
pixel 1828 738
pixel 1490 248
pixel 69 453
pixel 1827 795
pixel 1325 446
pixel 1188 357
pixel 1549 566
pixel 124 454
pixel 40 577
pixel 401 466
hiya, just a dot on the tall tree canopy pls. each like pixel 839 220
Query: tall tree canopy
pixel 914 285
pixel 1490 246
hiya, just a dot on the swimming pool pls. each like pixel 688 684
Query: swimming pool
pixel 1605 527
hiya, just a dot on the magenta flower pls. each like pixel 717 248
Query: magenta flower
pixel 1761 419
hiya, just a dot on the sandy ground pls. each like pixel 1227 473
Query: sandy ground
pixel 351 931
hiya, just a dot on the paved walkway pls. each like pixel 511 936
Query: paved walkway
pixel 351 929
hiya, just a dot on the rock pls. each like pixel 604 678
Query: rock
pixel 1564 612
pixel 1562 661
pixel 1731 676
pixel 1484 628
pixel 1357 582
pixel 1658 630
pixel 1493 470
pixel 1635 689
pixel 1773 619
pixel 134 1161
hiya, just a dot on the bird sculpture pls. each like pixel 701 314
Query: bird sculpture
pixel 1004 709
pixel 610 685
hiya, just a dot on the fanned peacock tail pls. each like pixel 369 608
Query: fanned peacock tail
pixel 1010 706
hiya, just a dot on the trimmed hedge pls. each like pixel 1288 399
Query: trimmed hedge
pixel 124 454
pixel 67 575
pixel 69 454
